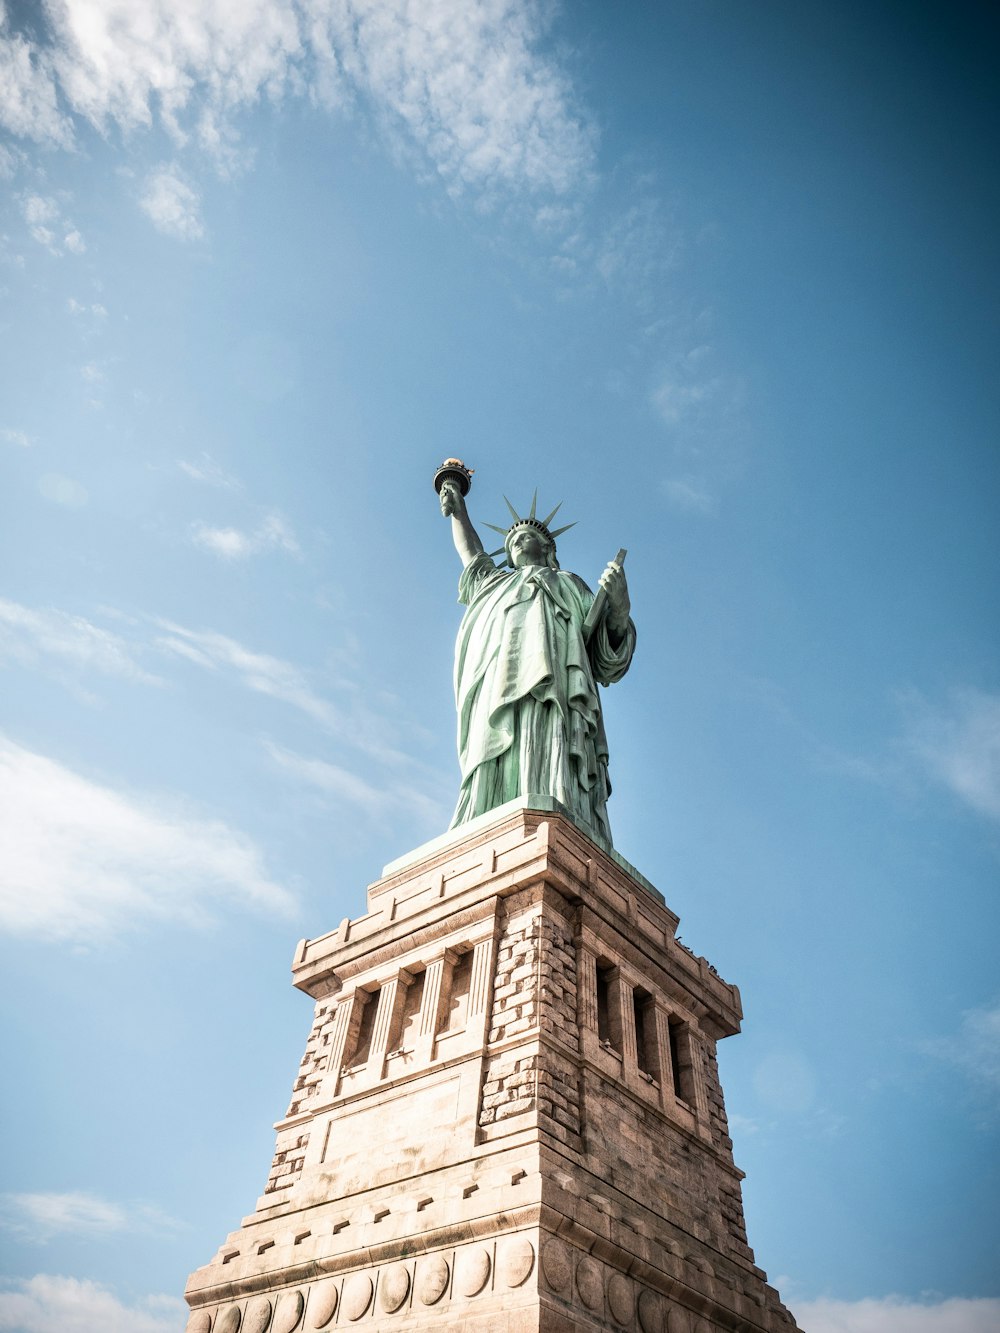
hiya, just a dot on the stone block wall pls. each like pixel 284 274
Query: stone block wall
pixel 516 991
pixel 510 1087
pixel 716 1102
pixel 316 1059
pixel 730 1191
pixel 534 997
pixel 558 982
pixel 292 1141
pixel 286 1165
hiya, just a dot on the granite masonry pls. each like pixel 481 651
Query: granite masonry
pixel 508 1115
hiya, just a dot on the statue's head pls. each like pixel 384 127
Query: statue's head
pixel 529 541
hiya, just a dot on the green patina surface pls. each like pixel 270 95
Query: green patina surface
pixel 527 667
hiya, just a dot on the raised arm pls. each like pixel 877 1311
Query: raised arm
pixel 464 535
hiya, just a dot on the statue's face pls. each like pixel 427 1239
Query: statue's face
pixel 527 547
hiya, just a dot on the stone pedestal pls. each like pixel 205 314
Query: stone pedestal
pixel 508 1115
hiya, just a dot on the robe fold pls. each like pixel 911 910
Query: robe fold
pixel 529 716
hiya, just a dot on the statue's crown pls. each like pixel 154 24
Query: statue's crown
pixel 530 521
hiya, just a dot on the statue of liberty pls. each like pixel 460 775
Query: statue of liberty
pixel 532 648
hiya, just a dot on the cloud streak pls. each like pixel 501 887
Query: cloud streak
pixel 957 745
pixel 261 672
pixel 272 534
pixel 364 729
pixel 45 220
pixel 30 637
pixel 41 1216
pixel 172 205
pixel 974 1049
pixel 53 1304
pixel 464 83
pixel 208 471
pixel 82 861
pixel 341 785
pixel 895 1314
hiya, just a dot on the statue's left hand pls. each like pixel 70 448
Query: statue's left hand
pixel 619 604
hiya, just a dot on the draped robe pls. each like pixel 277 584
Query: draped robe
pixel 529 716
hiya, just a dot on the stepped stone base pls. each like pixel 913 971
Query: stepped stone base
pixel 508 1115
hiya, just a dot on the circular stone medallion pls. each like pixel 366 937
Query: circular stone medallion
pixel 357 1295
pixel 652 1313
pixel 620 1299
pixel 200 1322
pixel 290 1307
pixel 230 1321
pixel 393 1287
pixel 679 1321
pixel 472 1271
pixel 556 1264
pixel 258 1316
pixel 516 1260
pixel 589 1283
pixel 323 1303
pixel 432 1279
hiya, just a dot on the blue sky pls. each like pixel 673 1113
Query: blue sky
pixel 722 278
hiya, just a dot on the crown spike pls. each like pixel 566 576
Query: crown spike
pixel 514 514
pixel 555 511
pixel 534 503
pixel 559 531
pixel 502 531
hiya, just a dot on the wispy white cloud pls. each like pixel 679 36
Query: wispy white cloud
pixel 207 470
pixel 951 745
pixel 957 744
pixel 172 204
pixel 469 85
pixel 39 1217
pixel 28 636
pixel 679 401
pixel 52 1304
pixel 47 224
pixel 38 210
pixel 341 785
pixel 19 438
pixel 367 729
pixel 29 99
pixel 466 83
pixel 702 410
pixel 10 158
pixel 82 861
pixel 63 490
pixel 897 1314
pixel 637 247
pixel 689 492
pixel 974 1048
pixel 257 671
pixel 272 534
pixel 76 307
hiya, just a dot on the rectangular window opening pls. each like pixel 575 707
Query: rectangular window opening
pixel 366 1025
pixel 647 1054
pixel 457 1012
pixel 409 1016
pixel 604 1002
pixel 609 1014
pixel 680 1061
